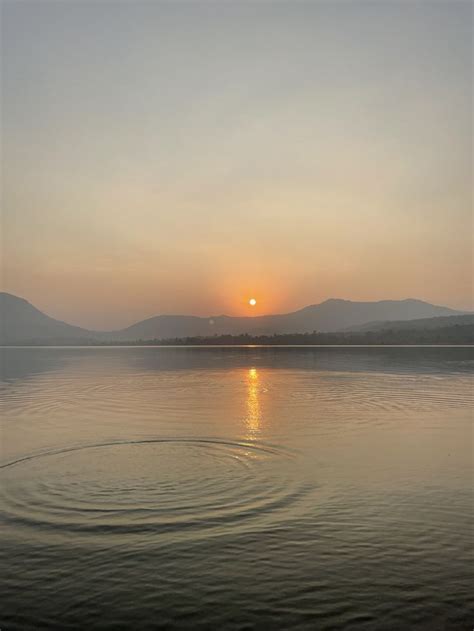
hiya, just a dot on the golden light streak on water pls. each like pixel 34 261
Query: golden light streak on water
pixel 253 419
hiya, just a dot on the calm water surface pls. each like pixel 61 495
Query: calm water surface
pixel 243 488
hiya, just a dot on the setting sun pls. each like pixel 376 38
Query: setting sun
pixel 252 302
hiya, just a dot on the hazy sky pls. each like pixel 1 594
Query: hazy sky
pixel 182 157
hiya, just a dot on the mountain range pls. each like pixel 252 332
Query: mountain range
pixel 22 323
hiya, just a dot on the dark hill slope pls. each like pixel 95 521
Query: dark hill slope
pixel 20 322
pixel 332 315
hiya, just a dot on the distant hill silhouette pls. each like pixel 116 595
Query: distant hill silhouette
pixel 21 322
pixel 418 324
pixel 331 315
pixel 451 334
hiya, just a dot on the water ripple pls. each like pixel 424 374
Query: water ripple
pixel 148 485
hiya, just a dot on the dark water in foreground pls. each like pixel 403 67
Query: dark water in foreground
pixel 244 488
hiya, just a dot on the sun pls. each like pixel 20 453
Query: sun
pixel 252 302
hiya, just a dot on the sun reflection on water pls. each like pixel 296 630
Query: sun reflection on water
pixel 253 404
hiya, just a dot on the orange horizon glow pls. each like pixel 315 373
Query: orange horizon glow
pixel 301 173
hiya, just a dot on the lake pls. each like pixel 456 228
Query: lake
pixel 236 488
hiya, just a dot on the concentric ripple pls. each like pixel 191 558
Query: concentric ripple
pixel 157 485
